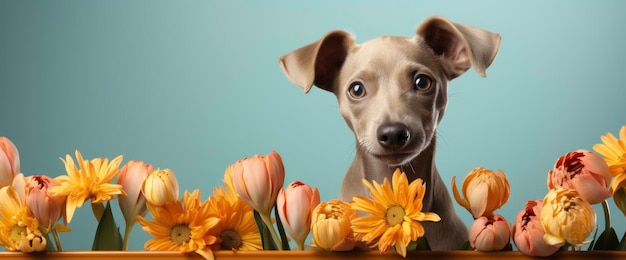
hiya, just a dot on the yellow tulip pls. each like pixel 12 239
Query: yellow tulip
pixel 160 187
pixel 484 191
pixel 9 161
pixel 330 226
pixel 566 217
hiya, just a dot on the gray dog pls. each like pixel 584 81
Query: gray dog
pixel 392 93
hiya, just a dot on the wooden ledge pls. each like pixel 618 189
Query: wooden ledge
pixel 308 255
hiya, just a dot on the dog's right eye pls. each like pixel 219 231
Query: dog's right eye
pixel 357 90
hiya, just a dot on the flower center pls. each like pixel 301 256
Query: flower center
pixel 570 205
pixel 16 233
pixel 230 239
pixel 394 215
pixel 180 234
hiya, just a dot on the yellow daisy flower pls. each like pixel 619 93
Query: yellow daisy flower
pixel 395 213
pixel 237 229
pixel 91 181
pixel 181 225
pixel 19 229
pixel 614 152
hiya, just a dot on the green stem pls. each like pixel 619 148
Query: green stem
pixel 268 222
pixel 129 228
pixel 607 217
pixel 300 245
pixel 57 239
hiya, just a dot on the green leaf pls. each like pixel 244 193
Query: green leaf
pixel 607 240
pixel 108 236
pixel 281 230
pixel 421 244
pixel 622 245
pixel 466 246
pixel 266 236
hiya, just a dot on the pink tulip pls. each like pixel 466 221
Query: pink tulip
pixel 258 180
pixel 295 205
pixel 583 171
pixel 489 233
pixel 528 231
pixel 9 161
pixel 46 208
pixel 131 177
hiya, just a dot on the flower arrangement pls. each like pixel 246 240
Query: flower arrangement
pixel 565 217
pixel 253 210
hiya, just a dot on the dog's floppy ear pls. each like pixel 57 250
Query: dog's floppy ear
pixel 461 46
pixel 317 63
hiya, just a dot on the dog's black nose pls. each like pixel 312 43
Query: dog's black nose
pixel 393 135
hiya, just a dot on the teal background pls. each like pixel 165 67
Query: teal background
pixel 195 85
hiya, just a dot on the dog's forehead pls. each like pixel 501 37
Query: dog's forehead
pixel 388 55
pixel 390 50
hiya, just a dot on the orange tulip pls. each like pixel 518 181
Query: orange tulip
pixel 331 226
pixel 484 191
pixel 131 177
pixel 528 231
pixel 583 171
pixel 46 208
pixel 258 180
pixel 160 187
pixel 489 233
pixel 295 205
pixel 9 161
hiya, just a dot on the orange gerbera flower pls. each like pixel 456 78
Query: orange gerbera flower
pixel 237 229
pixel 395 213
pixel 181 225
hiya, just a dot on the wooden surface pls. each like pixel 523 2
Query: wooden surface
pixel 302 255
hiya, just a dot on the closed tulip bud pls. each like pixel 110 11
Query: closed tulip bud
pixel 489 233
pixel 46 208
pixel 528 231
pixel 131 177
pixel 583 171
pixel 566 217
pixel 484 191
pixel 9 161
pixel 330 226
pixel 295 205
pixel 258 180
pixel 160 187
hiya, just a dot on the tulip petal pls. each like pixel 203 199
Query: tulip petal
pixel 553 240
pixel 457 196
pixel 6 173
pixel 478 199
pixel 590 189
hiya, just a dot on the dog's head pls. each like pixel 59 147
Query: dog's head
pixel 392 91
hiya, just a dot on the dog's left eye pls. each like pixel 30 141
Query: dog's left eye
pixel 422 82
